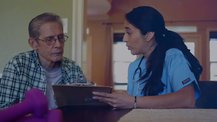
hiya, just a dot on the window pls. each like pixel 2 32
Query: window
pixel 213 56
pixel 121 60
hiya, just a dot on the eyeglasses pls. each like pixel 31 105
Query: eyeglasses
pixel 50 40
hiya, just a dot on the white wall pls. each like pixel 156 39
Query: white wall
pixel 15 16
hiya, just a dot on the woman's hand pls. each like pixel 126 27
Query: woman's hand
pixel 184 98
pixel 117 99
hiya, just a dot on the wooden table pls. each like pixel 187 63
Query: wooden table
pixel 170 115
pixel 138 115
pixel 71 114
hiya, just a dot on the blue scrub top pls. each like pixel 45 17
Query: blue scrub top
pixel 176 74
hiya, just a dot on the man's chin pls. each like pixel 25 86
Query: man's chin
pixel 57 59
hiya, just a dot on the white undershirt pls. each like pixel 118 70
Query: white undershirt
pixel 52 77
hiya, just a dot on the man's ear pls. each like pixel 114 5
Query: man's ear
pixel 33 43
pixel 149 36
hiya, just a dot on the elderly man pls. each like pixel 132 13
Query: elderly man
pixel 41 67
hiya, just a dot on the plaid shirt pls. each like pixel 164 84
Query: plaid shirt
pixel 24 72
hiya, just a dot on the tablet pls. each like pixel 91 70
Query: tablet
pixel 78 95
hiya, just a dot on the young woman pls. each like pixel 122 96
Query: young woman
pixel 166 74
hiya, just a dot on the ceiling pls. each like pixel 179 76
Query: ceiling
pixel 98 9
pixel 171 9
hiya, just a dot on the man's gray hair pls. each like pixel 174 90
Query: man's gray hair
pixel 35 23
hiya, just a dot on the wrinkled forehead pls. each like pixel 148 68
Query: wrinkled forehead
pixel 50 29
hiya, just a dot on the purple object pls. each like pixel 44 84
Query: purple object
pixel 34 108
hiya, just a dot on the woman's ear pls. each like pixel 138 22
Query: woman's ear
pixel 33 43
pixel 149 36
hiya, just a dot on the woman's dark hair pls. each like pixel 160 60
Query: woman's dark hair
pixel 148 19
